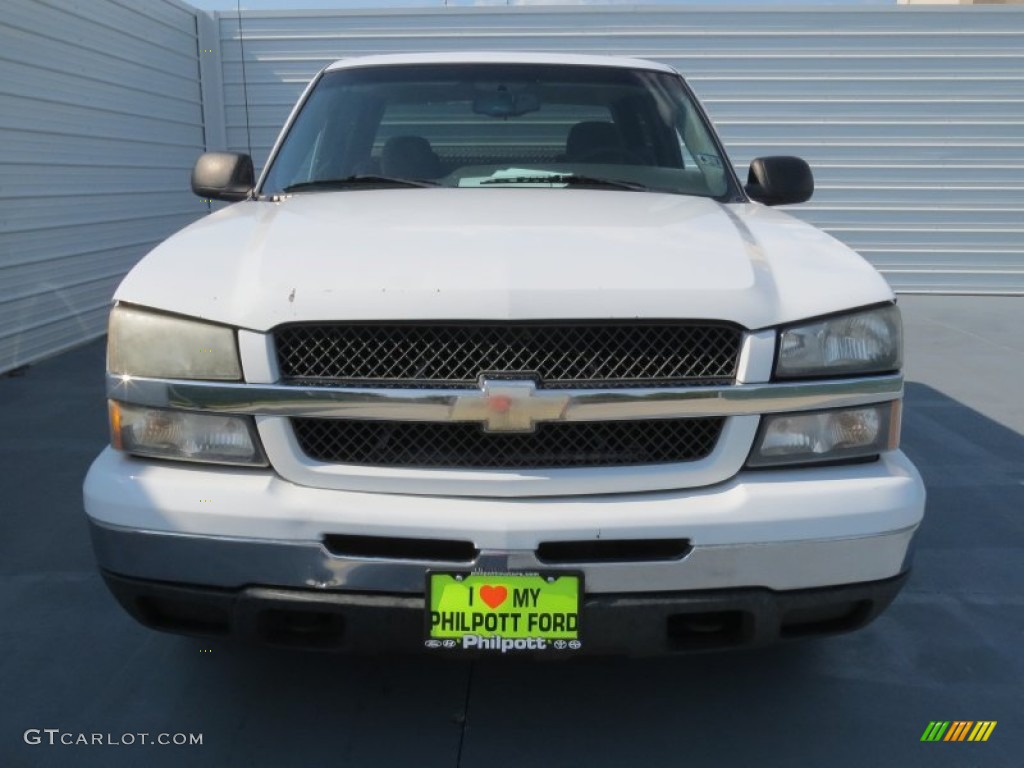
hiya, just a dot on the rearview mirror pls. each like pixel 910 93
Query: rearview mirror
pixel 780 180
pixel 223 176
pixel 505 103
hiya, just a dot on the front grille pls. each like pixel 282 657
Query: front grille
pixel 557 354
pixel 467 445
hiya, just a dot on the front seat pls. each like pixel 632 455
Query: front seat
pixel 593 137
pixel 409 157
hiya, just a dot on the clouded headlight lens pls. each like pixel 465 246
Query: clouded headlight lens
pixel 863 342
pixel 836 435
pixel 150 344
pixel 183 435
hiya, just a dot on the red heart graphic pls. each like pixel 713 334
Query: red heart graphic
pixel 493 596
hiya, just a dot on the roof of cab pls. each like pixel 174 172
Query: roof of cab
pixel 470 57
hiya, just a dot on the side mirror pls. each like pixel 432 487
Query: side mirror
pixel 223 176
pixel 780 180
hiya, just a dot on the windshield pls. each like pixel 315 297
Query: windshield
pixel 498 125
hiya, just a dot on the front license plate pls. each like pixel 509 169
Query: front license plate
pixel 504 612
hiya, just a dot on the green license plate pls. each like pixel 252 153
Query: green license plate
pixel 504 612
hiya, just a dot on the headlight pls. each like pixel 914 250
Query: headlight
pixel 183 435
pixel 846 433
pixel 142 343
pixel 863 342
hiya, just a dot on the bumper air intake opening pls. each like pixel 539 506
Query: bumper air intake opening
pixel 825 619
pixel 613 551
pixel 391 548
pixel 301 629
pixel 712 629
pixel 184 616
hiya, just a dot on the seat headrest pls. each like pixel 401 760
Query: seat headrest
pixel 591 136
pixel 409 157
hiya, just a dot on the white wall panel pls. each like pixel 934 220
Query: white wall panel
pixel 100 123
pixel 912 117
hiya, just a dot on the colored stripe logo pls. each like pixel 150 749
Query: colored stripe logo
pixel 958 730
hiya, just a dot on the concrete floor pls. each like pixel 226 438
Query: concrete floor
pixel 950 648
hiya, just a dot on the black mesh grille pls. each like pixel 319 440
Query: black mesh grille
pixel 558 354
pixel 467 445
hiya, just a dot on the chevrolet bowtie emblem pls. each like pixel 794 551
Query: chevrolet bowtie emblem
pixel 509 406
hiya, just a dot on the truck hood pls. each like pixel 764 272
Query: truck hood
pixel 504 254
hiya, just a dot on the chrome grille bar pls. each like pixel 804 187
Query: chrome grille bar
pixel 451 404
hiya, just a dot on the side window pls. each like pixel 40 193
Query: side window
pixel 319 144
pixel 688 159
pixel 699 152
pixel 299 156
pixel 650 136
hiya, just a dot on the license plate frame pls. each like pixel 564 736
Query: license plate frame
pixel 474 611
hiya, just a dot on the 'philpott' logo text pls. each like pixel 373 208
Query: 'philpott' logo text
pixel 505 644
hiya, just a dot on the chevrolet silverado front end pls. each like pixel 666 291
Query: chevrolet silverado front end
pixel 499 355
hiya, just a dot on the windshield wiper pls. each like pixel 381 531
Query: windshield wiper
pixel 569 179
pixel 368 180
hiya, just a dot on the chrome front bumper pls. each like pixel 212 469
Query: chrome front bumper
pixel 231 562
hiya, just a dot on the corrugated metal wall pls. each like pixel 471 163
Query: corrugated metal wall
pixel 912 117
pixel 100 123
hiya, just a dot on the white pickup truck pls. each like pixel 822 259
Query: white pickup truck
pixel 498 355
